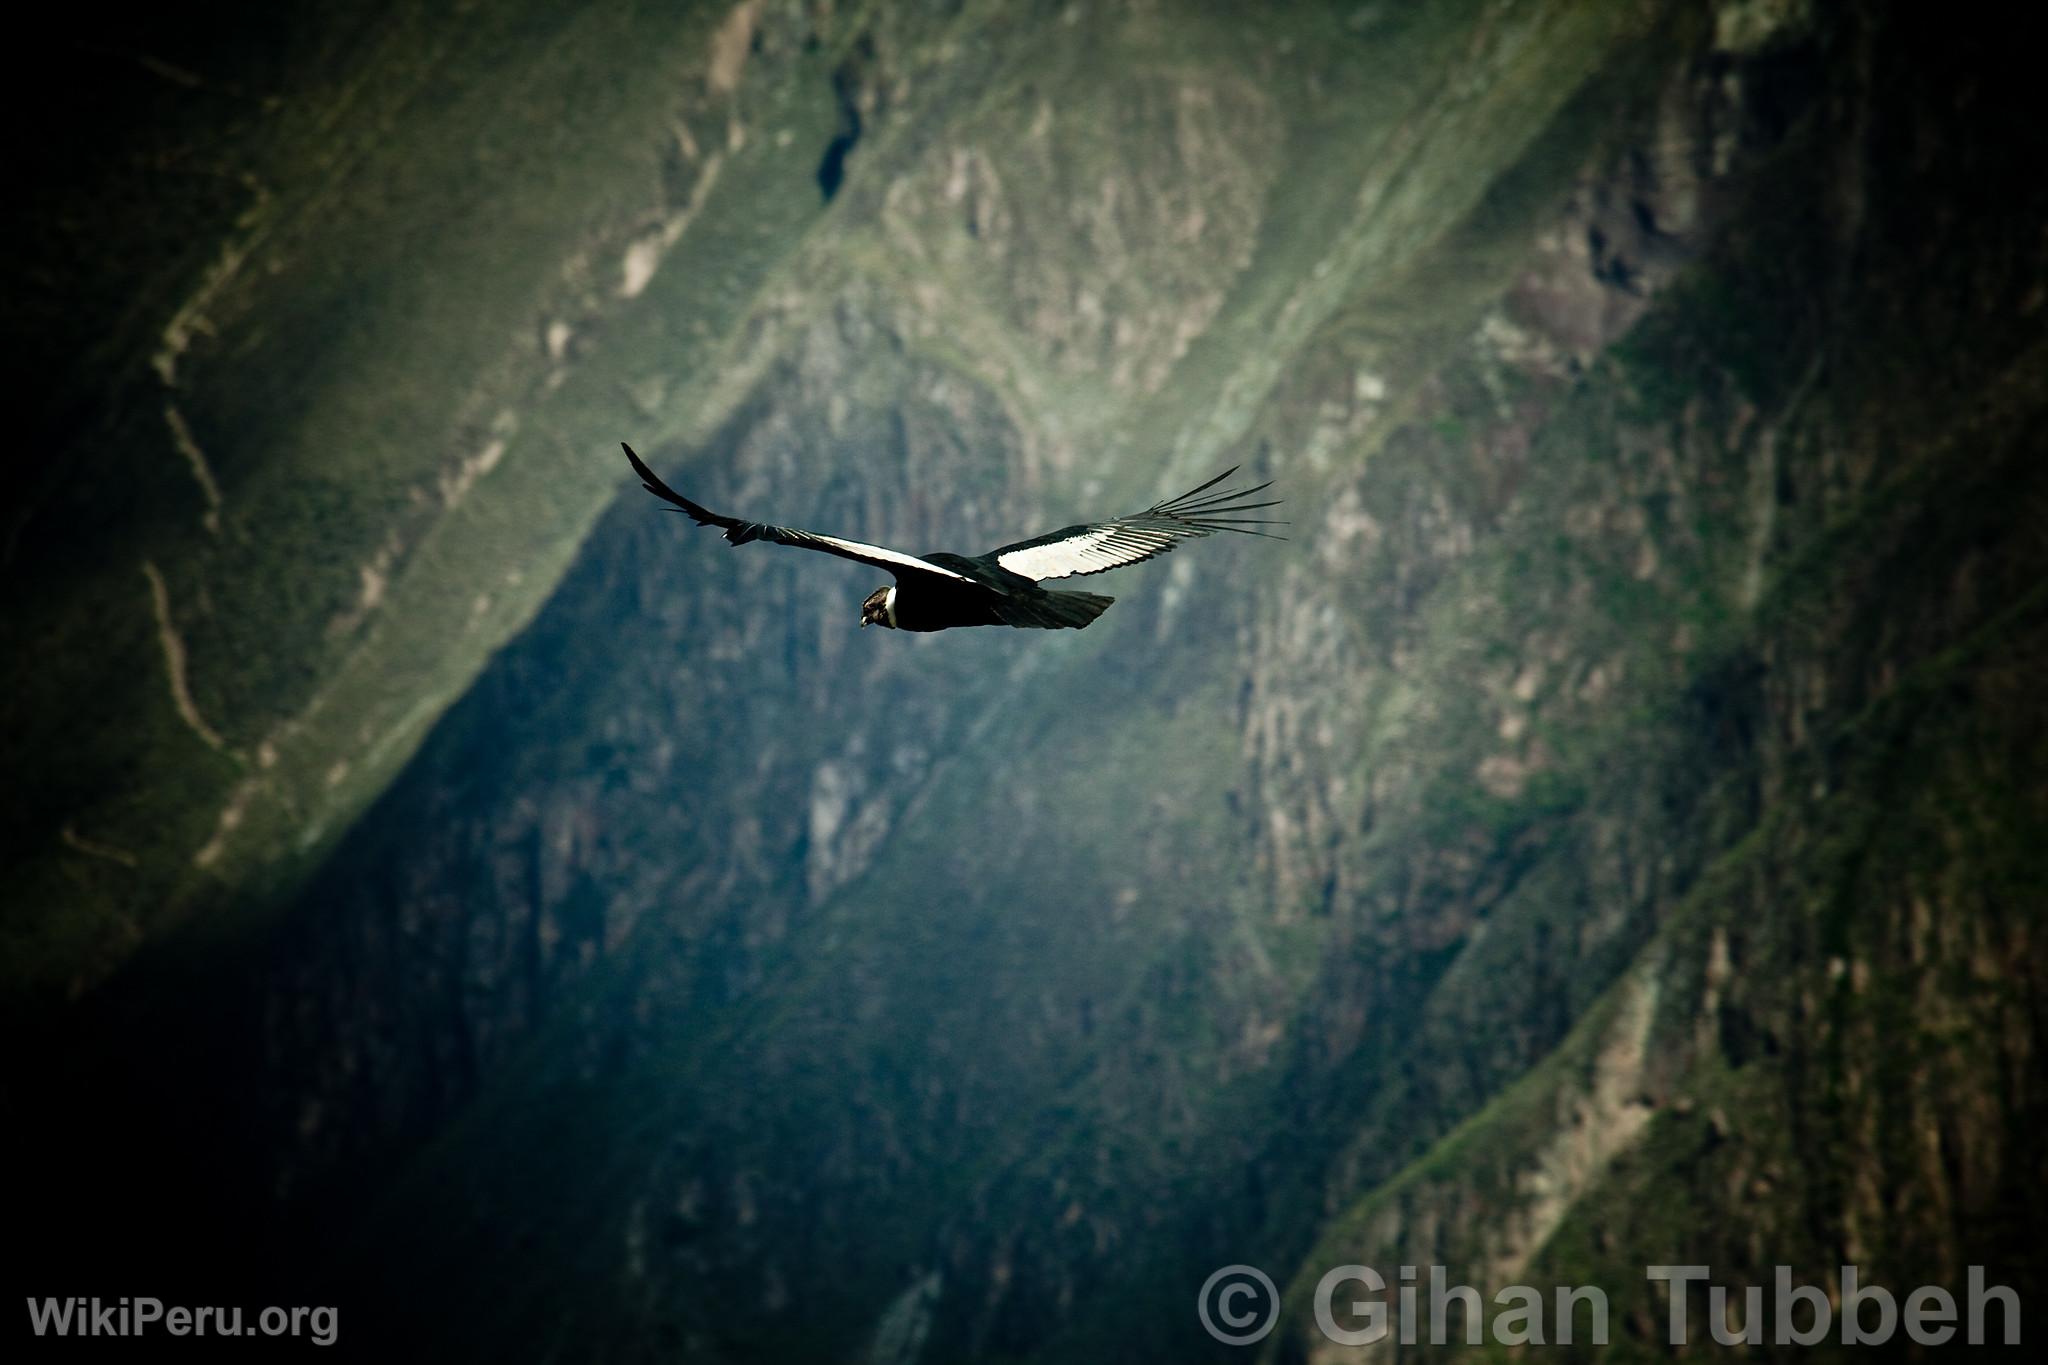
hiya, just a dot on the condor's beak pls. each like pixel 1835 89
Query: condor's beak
pixel 863 623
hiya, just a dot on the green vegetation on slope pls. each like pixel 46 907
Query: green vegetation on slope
pixel 344 442
pixel 1462 879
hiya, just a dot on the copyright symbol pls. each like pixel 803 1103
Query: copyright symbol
pixel 1238 1305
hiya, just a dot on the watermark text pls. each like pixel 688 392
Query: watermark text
pixel 142 1317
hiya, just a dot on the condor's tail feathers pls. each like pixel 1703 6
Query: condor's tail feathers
pixel 1076 609
pixel 1050 610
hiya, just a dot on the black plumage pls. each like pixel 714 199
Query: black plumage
pixel 1002 588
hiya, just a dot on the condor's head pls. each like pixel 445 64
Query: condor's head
pixel 879 609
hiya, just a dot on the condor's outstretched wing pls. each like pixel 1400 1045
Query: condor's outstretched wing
pixel 1075 550
pixel 740 532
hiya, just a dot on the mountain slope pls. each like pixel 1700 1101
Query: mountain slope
pixel 1599 836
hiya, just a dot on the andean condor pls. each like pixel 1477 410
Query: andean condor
pixel 1001 588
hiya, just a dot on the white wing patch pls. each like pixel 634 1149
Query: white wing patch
pixel 738 532
pixel 1093 549
pixel 878 553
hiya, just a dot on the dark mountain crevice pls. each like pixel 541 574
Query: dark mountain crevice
pixel 854 89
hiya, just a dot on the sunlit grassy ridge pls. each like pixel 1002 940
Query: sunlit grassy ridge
pixel 404 367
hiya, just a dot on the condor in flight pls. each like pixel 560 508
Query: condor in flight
pixel 1001 588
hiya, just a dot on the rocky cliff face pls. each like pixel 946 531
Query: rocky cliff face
pixel 1600 836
